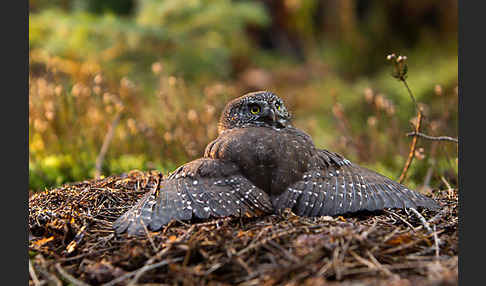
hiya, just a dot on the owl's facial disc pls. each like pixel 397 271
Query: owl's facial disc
pixel 260 108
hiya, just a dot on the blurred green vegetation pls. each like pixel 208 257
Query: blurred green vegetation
pixel 159 73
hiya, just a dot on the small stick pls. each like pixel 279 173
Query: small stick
pixel 32 274
pixel 446 183
pixel 378 264
pixel 422 219
pixel 287 254
pixel 335 263
pixel 149 236
pixel 449 188
pixel 265 240
pixel 51 277
pixel 68 276
pixel 324 269
pixel 166 249
pixel 85 254
pixel 414 265
pixel 391 234
pixel 439 215
pixel 362 260
pixel 433 138
pixel 106 144
pixel 365 233
pixel 146 268
pixel 436 243
pixel 401 247
pixel 244 265
pixel 402 219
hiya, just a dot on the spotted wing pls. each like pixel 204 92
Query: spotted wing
pixel 338 186
pixel 202 188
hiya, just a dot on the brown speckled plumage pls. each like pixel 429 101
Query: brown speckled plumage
pixel 260 163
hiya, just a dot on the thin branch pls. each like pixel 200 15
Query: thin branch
pixel 140 271
pixel 413 146
pixel 378 264
pixel 50 277
pixel 146 268
pixel 106 144
pixel 33 275
pixel 401 218
pixel 433 138
pixel 68 276
pixel 436 243
pixel 400 73
pixel 422 220
pixel 149 263
pixel 410 93
pixel 265 240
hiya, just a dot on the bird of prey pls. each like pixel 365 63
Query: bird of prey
pixel 260 163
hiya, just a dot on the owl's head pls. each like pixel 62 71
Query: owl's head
pixel 261 108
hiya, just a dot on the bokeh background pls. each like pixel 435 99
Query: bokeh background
pixel 117 85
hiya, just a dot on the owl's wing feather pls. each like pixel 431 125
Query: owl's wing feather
pixel 202 188
pixel 337 186
pixel 140 213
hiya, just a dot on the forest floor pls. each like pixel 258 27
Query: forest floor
pixel 71 242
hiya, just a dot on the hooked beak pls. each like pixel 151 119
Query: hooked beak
pixel 276 120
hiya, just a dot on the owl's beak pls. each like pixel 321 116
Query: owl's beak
pixel 271 114
pixel 275 118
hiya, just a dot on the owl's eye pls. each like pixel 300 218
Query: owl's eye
pixel 278 105
pixel 255 109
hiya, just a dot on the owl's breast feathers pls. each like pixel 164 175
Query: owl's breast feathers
pixel 272 159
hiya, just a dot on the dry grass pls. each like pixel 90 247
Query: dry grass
pixel 71 240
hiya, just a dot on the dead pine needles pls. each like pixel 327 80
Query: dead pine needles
pixel 266 250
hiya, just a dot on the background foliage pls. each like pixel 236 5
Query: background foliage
pixel 158 73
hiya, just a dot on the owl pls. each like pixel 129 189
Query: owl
pixel 258 164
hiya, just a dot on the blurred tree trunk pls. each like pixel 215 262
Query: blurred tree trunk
pixel 280 35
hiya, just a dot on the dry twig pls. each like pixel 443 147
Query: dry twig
pixel 433 138
pixel 413 146
pixel 69 277
pixel 33 275
pixel 146 268
pixel 106 144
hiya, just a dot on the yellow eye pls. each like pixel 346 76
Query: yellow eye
pixel 255 109
pixel 279 107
